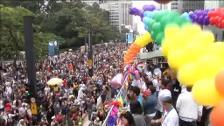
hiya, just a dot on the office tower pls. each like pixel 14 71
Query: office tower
pixel 90 2
pixel 118 13
pixel 190 5
pixel 174 5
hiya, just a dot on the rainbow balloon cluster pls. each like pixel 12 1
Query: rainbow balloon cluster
pixel 155 22
pixel 192 52
pixel 196 58
pixel 135 47
pixel 213 17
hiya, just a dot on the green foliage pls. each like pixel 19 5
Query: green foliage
pixel 73 22
pixel 68 23
pixel 12 33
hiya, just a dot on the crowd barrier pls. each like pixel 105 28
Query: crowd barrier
pixel 122 93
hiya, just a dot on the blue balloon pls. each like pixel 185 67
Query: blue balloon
pixel 146 20
pixel 186 16
pixel 148 14
pixel 146 27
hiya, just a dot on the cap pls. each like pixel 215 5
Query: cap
pixel 165 95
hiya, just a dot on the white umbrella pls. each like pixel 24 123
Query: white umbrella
pixel 55 81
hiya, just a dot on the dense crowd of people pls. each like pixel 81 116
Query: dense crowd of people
pixel 78 96
pixel 154 96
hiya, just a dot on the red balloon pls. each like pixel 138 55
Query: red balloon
pixel 212 20
pixel 219 82
pixel 217 114
pixel 216 20
pixel 222 26
pixel 213 13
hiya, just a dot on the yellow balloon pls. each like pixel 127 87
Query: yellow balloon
pixel 171 30
pixel 191 30
pixel 166 45
pixel 217 49
pixel 208 66
pixel 139 43
pixel 207 37
pixel 144 40
pixel 177 58
pixel 187 74
pixel 195 50
pixel 205 93
pixel 203 38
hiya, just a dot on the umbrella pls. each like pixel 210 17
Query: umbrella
pixel 55 81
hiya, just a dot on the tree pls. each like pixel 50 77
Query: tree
pixel 73 21
pixel 12 33
pixel 68 23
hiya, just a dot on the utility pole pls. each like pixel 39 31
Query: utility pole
pixel 85 44
pixel 30 60
pixel 90 53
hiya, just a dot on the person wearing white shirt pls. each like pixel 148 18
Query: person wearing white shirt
pixel 170 116
pixel 188 110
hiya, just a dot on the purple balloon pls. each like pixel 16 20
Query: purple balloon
pixel 134 11
pixel 194 17
pixel 206 20
pixel 200 13
pixel 200 19
pixel 149 7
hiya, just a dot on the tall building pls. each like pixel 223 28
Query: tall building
pixel 90 2
pixel 118 13
pixel 114 14
pixel 174 5
pixel 190 5
pixel 219 33
pixel 124 16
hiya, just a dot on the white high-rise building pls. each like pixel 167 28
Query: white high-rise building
pixel 118 13
pixel 90 2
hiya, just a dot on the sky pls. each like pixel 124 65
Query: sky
pixel 136 19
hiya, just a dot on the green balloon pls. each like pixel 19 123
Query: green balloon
pixel 149 24
pixel 157 27
pixel 160 15
pixel 154 34
pixel 159 38
pixel 166 20
pixel 174 14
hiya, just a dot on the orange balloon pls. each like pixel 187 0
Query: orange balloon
pixel 219 82
pixel 217 114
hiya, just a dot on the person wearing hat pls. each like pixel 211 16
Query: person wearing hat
pixel 170 116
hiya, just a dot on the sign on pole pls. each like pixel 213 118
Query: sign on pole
pixel 129 37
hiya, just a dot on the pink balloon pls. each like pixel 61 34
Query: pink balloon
pixel 116 82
